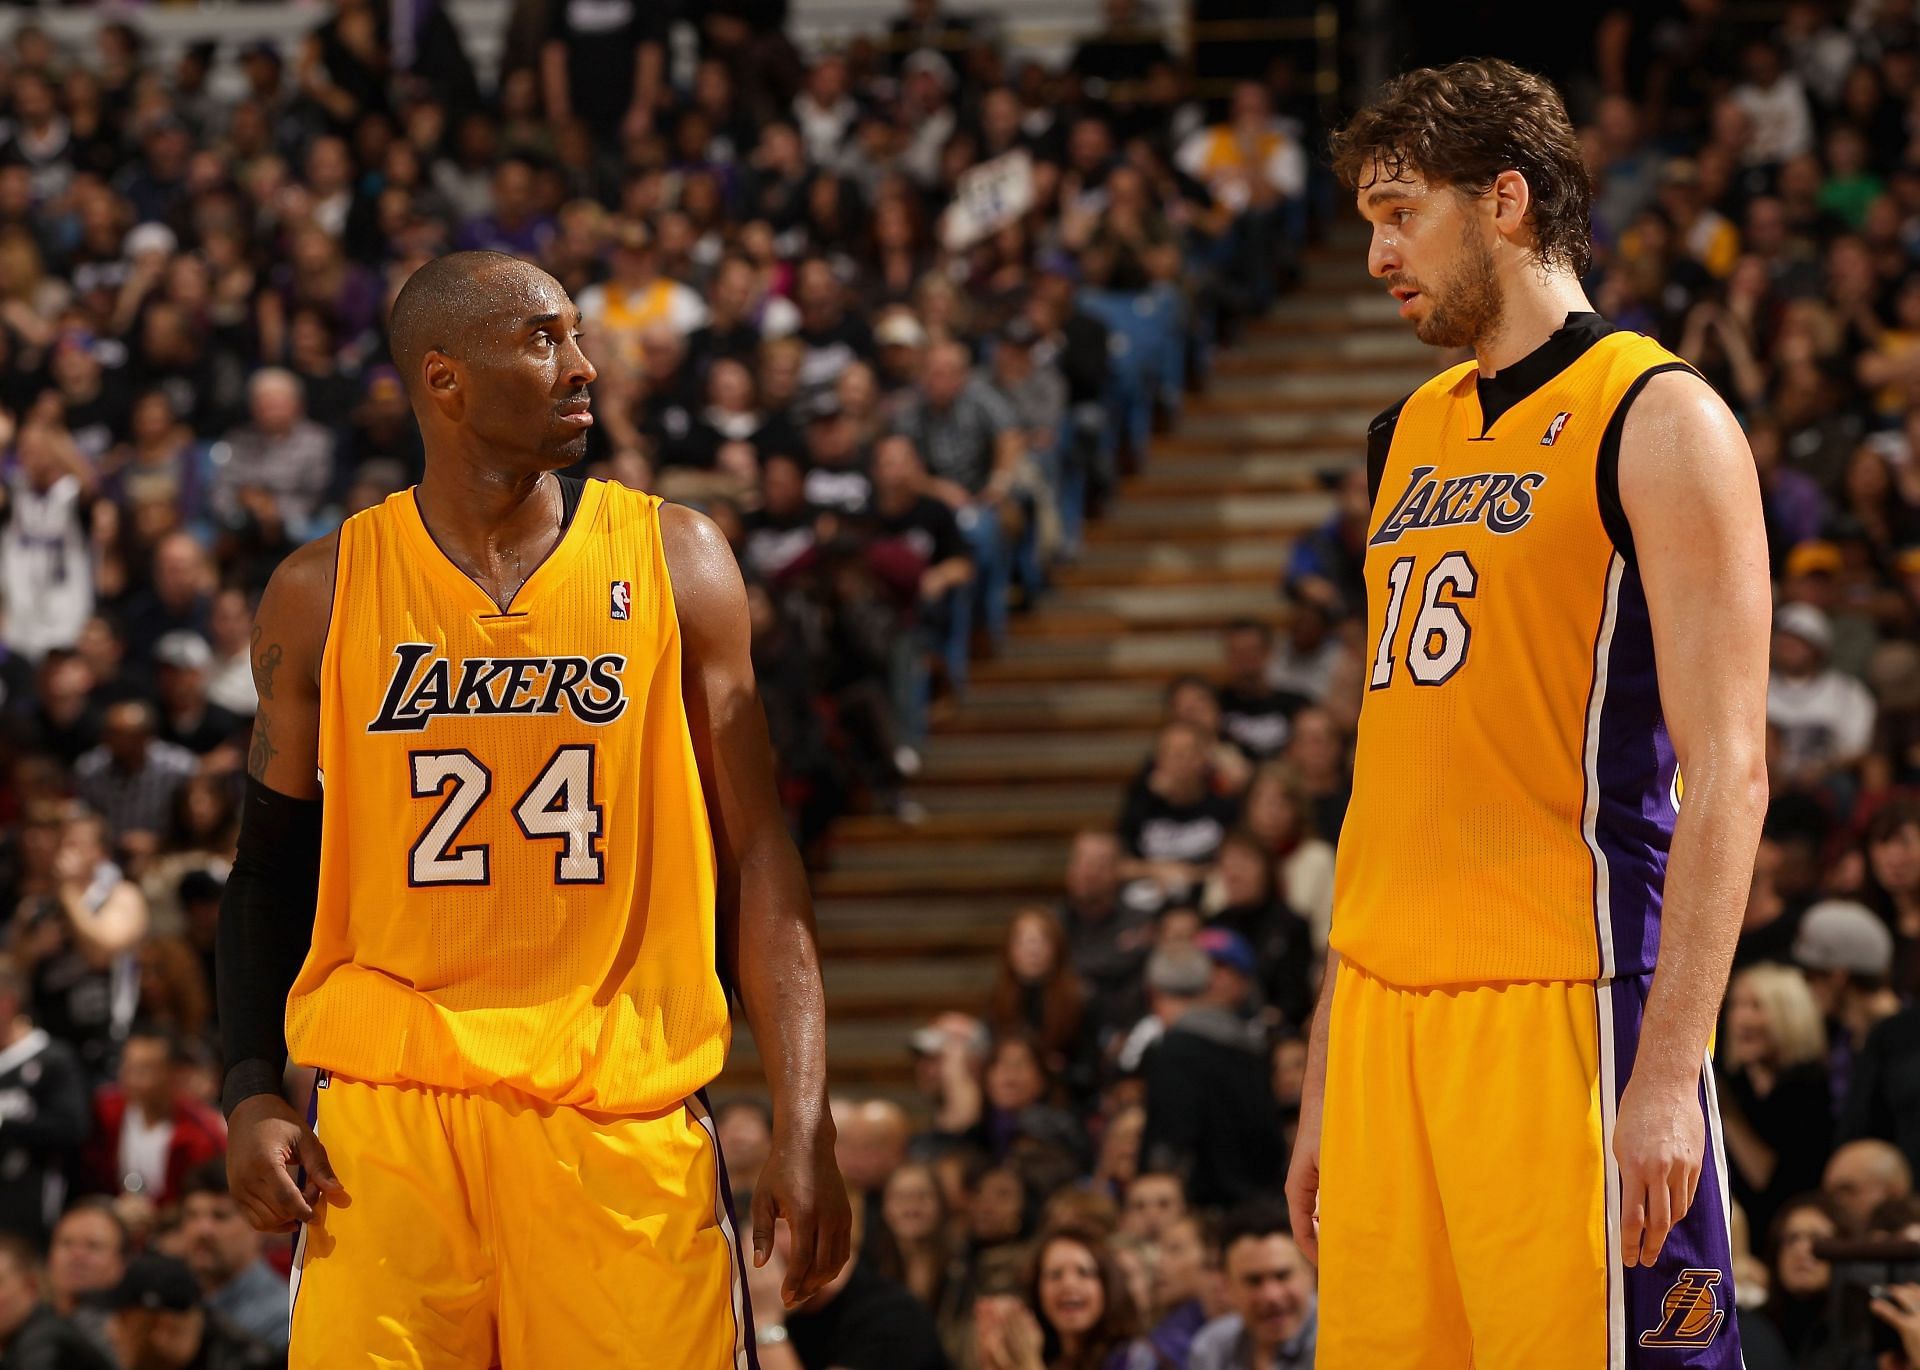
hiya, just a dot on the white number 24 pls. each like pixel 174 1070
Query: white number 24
pixel 558 804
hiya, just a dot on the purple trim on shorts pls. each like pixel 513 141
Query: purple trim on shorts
pixel 740 1253
pixel 1634 765
pixel 1696 1264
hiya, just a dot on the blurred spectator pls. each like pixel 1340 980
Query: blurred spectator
pixel 1155 1199
pixel 147 1134
pixel 1254 716
pixel 1036 990
pixel 1847 955
pixel 223 1251
pixel 46 558
pixel 1173 822
pixel 1185 1269
pixel 1270 1286
pixel 744 1129
pixel 1799 1282
pixel 1243 903
pixel 1254 167
pixel 860 1321
pixel 1862 1176
pixel 31 1333
pixel 129 779
pixel 1280 813
pixel 1327 568
pixel 1209 1101
pixel 1107 941
pixel 1077 1312
pixel 158 1318
pixel 919 1250
pixel 43 1114
pixel 278 467
pixel 1775 1103
pixel 88 1254
pixel 1824 718
pixel 188 719
pixel 75 945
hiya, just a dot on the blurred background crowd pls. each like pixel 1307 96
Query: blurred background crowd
pixel 900 312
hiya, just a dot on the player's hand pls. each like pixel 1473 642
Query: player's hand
pixel 1659 1140
pixel 266 1143
pixel 801 1183
pixel 1303 1189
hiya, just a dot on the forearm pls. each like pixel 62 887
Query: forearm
pixel 1314 1087
pixel 116 926
pixel 776 969
pixel 1709 873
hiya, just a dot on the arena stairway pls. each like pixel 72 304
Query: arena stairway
pixel 912 915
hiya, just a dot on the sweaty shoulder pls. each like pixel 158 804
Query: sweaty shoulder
pixel 1677 435
pixel 298 602
pixel 707 588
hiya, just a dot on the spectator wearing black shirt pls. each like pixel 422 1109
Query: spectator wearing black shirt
pixel 836 477
pixel 1173 822
pixel 1126 49
pixel 1327 566
pixel 604 62
pixel 1210 1111
pixel 1254 716
pixel 730 330
pixel 781 536
pixel 184 662
pixel 1776 1106
pixel 1245 900
pixel 1847 955
pixel 58 716
pixel 860 1321
pixel 43 1113
pixel 914 547
pixel 32 1335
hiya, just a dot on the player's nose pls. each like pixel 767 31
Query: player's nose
pixel 579 371
pixel 1383 257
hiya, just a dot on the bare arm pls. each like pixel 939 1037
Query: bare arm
pixel 1688 486
pixel 766 916
pixel 1303 1171
pixel 289 634
pixel 116 926
pixel 553 78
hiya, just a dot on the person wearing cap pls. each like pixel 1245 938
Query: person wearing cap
pixel 837 478
pixel 617 313
pixel 1882 1098
pixel 183 663
pixel 1209 1095
pixel 157 1319
pixel 1236 973
pixel 1824 718
pixel 1847 954
pixel 32 1335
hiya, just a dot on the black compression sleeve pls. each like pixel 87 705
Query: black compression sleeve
pixel 266 926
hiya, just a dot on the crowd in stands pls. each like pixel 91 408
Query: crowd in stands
pixel 896 315
pixel 894 312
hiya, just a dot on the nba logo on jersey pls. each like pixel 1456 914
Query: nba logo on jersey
pixel 1690 1314
pixel 619 597
pixel 1553 429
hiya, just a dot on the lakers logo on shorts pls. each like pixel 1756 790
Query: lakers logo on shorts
pixel 1690 1314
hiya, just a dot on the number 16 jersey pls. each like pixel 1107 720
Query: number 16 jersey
pixel 517 872
pixel 1514 785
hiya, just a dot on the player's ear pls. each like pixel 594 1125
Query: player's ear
pixel 441 375
pixel 1511 197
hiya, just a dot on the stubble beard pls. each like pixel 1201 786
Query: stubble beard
pixel 1472 305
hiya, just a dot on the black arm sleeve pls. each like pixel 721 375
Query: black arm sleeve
pixel 266 926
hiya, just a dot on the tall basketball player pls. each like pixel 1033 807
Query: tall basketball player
pixel 1510 1128
pixel 549 840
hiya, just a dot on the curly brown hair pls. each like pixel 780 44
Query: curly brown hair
pixel 1462 125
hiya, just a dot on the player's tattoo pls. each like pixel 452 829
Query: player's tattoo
pixel 262 752
pixel 264 664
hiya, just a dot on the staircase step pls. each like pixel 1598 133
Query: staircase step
pixel 1215 558
pixel 1176 514
pixel 992 756
pixel 1247 428
pixel 1239 472
pixel 1293 387
pixel 1361 347
pixel 1361 308
pixel 1152 605
pixel 1025 857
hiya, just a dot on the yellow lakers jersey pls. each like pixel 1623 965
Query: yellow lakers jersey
pixel 1514 786
pixel 517 873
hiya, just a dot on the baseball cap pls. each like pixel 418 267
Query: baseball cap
pixel 1840 934
pixel 1812 557
pixel 155 1282
pixel 1225 947
pixel 184 651
pixel 1806 623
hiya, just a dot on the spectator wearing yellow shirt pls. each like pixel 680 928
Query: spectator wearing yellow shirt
pixel 1256 169
pixel 634 298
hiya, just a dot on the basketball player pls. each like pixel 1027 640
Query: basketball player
pixel 549 840
pixel 1509 1124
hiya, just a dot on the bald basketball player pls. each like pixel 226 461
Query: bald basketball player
pixel 510 836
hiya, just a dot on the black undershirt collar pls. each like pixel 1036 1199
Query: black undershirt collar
pixel 1507 387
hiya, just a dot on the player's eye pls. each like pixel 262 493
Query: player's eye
pixel 1400 216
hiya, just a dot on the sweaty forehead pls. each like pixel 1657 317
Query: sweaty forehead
pixel 511 299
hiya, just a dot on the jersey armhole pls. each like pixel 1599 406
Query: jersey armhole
pixel 1379 443
pixel 1606 481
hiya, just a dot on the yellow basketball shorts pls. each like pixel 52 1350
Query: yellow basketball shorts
pixel 1469 1200
pixel 485 1228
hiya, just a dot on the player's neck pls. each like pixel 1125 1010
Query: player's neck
pixel 477 511
pixel 1535 309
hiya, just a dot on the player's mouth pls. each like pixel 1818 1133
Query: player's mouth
pixel 577 413
pixel 1406 295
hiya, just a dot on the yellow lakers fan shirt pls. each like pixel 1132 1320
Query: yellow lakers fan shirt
pixel 1514 785
pixel 517 873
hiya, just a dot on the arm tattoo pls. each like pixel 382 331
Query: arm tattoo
pixel 263 751
pixel 265 664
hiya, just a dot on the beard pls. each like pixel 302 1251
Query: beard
pixel 1469 307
